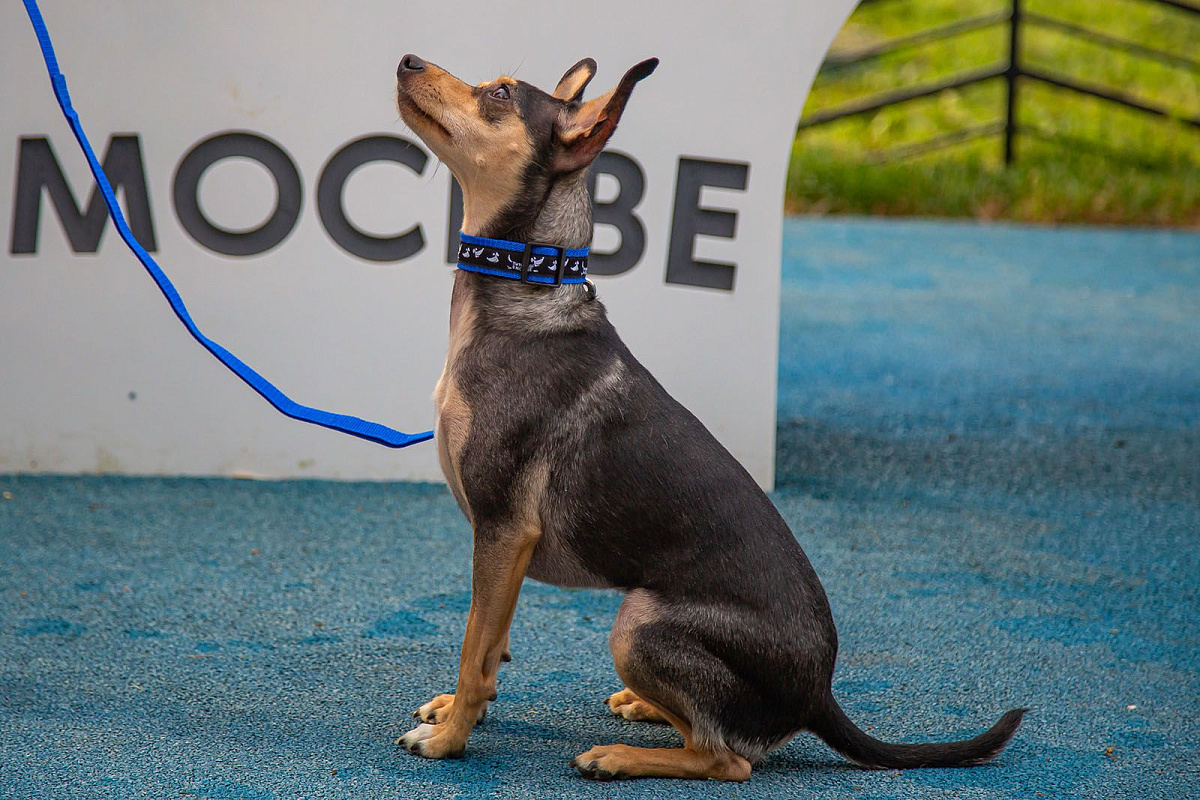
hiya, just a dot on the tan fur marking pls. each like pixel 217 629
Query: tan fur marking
pixel 453 421
pixel 637 610
pixel 488 159
pixel 587 116
pixel 498 568
pixel 689 761
pixel 499 563
pixel 627 704
pixel 623 761
pixel 496 81
pixel 452 427
pixel 576 78
pixel 438 710
pixel 496 175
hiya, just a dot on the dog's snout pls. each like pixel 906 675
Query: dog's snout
pixel 410 63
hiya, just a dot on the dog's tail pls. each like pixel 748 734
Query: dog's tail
pixel 848 739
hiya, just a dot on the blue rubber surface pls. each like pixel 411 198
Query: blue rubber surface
pixel 989 447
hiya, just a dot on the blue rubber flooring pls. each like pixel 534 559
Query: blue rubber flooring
pixel 989 445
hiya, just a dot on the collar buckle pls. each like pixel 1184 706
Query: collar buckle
pixel 560 264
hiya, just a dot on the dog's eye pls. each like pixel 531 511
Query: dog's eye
pixel 500 93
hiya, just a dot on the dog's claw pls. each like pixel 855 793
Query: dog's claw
pixel 594 771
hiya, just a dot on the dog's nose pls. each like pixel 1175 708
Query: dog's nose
pixel 410 63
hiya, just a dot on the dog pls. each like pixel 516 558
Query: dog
pixel 576 468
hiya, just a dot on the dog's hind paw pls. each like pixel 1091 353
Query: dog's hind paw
pixel 628 705
pixel 590 768
pixel 617 761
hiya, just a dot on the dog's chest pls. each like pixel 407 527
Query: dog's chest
pixel 555 563
pixel 453 412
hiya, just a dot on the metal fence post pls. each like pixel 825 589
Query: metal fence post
pixel 1010 76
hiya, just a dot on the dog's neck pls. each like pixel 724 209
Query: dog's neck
pixel 562 219
pixel 565 218
pixel 557 213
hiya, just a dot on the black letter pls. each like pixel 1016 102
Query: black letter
pixel 38 168
pixel 618 212
pixel 333 182
pixel 690 220
pixel 247 145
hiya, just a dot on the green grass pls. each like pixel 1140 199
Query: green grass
pixel 1094 161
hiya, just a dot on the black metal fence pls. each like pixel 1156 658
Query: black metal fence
pixel 1013 70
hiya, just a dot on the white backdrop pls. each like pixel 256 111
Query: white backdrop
pixel 97 375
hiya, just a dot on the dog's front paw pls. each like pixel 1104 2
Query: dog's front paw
pixel 439 709
pixel 430 741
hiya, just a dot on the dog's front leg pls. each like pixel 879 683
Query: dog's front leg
pixel 501 556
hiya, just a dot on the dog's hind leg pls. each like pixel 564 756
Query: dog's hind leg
pixel 616 761
pixel 693 760
pixel 656 694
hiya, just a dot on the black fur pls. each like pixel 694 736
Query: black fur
pixel 643 497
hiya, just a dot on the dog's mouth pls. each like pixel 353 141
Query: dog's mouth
pixel 416 116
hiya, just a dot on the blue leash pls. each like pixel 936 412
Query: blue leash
pixel 371 431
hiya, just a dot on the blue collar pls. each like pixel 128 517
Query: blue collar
pixel 540 264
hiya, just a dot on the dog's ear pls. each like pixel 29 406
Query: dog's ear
pixel 581 131
pixel 575 80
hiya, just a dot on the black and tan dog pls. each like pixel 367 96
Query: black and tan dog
pixel 576 468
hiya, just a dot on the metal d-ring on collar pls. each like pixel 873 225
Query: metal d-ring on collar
pixel 536 264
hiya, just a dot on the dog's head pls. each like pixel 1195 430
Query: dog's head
pixel 507 141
